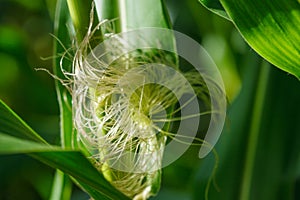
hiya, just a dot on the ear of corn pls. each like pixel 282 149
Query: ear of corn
pixel 114 125
pixel 124 96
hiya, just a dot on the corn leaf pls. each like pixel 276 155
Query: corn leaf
pixel 71 162
pixel 14 145
pixel 271 27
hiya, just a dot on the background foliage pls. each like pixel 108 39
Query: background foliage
pixel 258 150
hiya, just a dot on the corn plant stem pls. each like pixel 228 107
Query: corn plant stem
pixel 63 97
pixel 254 131
pixel 62 185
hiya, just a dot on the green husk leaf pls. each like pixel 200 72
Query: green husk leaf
pixel 139 14
pixel 80 13
pixel 131 15
pixel 109 10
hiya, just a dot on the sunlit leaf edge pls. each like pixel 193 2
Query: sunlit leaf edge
pixel 271 28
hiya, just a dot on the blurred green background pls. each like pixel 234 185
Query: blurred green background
pixel 24 39
pixel 26 44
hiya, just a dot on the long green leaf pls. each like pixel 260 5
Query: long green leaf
pixel 69 161
pixel 11 123
pixel 13 145
pixel 271 27
pixel 77 166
